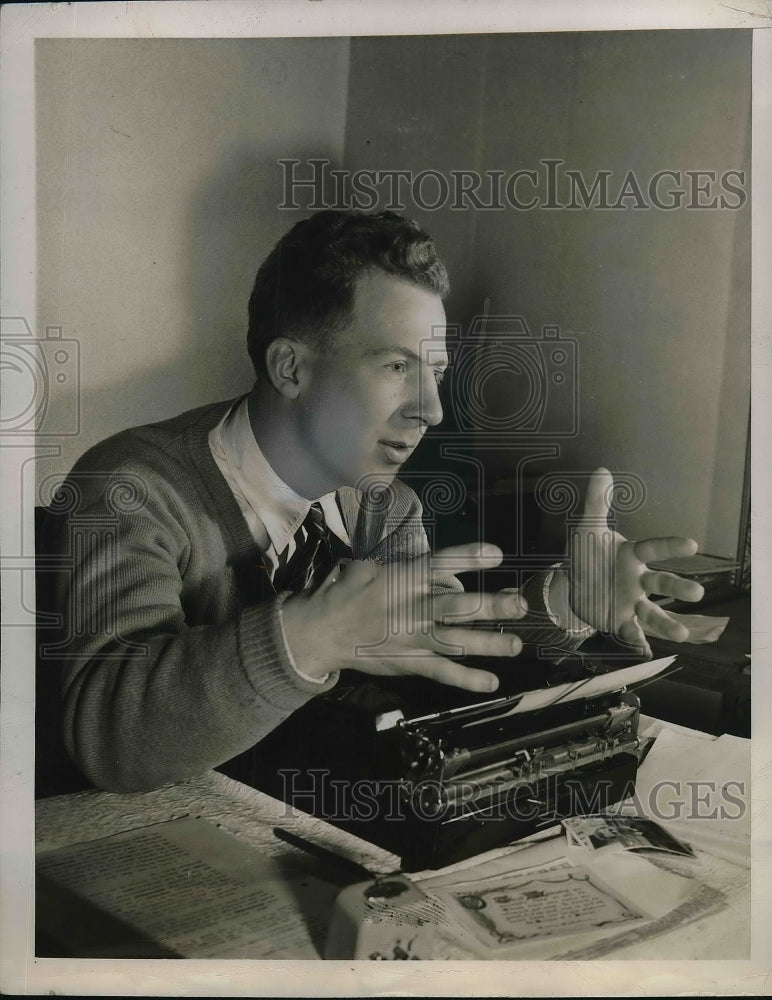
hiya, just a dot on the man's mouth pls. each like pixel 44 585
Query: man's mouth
pixel 396 452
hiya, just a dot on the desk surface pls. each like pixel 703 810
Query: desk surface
pixel 251 815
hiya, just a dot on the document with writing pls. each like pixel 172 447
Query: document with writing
pixel 183 888
pixel 542 902
pixel 552 898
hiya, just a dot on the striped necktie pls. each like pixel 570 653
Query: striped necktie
pixel 312 558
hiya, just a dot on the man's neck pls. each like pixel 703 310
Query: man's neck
pixel 279 441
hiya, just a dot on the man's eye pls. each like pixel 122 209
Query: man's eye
pixel 397 366
pixel 439 375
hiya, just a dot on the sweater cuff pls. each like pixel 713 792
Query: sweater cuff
pixel 540 627
pixel 266 661
pixel 311 680
pixel 555 593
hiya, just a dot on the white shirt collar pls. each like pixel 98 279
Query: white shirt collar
pixel 277 505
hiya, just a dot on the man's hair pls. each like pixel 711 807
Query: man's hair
pixel 305 287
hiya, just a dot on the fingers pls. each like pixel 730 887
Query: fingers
pixel 356 573
pixel 474 642
pixel 670 585
pixel 449 561
pixel 632 633
pixel 654 549
pixel 445 671
pixel 658 622
pixel 599 493
pixel 463 558
pixel 453 609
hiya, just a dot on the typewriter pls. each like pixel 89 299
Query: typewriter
pixel 436 775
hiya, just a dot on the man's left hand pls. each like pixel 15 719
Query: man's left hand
pixel 610 578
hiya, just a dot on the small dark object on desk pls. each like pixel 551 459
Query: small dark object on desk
pixel 345 866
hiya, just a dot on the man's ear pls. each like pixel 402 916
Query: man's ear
pixel 283 359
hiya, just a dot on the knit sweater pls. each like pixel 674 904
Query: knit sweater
pixel 173 654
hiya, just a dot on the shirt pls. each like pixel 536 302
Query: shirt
pixel 272 509
pixel 274 512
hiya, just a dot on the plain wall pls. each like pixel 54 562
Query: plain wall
pixel 158 188
pixel 658 300
pixel 158 195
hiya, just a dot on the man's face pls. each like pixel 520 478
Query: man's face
pixel 370 397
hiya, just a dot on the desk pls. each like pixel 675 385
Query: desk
pixel 251 815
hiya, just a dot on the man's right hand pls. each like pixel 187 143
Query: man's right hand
pixel 386 620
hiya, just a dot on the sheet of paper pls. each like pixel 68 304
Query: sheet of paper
pixel 650 728
pixel 671 899
pixel 631 879
pixel 635 880
pixel 699 790
pixel 705 901
pixel 586 688
pixel 543 902
pixel 194 889
pixel 522 856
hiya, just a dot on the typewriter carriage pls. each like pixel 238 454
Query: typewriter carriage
pixel 440 787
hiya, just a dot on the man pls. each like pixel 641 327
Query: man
pixel 200 615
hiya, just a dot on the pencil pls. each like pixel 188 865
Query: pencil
pixel 324 854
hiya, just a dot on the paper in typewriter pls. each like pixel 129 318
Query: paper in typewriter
pixel 588 687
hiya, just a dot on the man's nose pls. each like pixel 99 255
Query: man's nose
pixel 425 405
